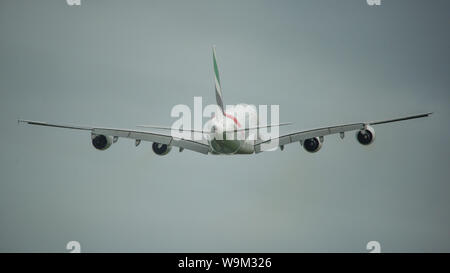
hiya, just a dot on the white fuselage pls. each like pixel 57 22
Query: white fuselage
pixel 228 134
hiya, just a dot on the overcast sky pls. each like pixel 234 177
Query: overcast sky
pixel 123 63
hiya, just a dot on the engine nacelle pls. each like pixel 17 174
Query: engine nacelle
pixel 312 145
pixel 101 142
pixel 366 136
pixel 161 149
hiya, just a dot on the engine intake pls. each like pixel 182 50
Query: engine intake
pixel 312 145
pixel 161 149
pixel 101 142
pixel 366 136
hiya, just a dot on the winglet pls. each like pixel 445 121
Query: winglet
pixel 402 118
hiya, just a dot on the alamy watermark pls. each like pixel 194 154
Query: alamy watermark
pixel 73 2
pixel 73 247
pixel 373 247
pixel 237 122
pixel 373 2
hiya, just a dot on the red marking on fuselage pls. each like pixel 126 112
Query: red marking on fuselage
pixel 234 119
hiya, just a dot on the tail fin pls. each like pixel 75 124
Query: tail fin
pixel 219 99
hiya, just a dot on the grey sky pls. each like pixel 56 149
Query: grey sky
pixel 123 63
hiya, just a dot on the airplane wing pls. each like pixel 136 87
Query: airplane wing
pixel 321 132
pixel 139 136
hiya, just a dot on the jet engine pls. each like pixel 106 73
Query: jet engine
pixel 101 142
pixel 161 149
pixel 366 136
pixel 312 145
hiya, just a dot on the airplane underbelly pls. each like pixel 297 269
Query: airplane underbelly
pixel 229 147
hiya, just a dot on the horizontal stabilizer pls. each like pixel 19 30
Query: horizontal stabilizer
pixel 206 132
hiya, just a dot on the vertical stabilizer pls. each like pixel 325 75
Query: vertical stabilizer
pixel 219 98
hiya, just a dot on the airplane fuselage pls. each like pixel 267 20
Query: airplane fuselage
pixel 238 117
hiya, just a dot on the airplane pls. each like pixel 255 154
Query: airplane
pixel 218 141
